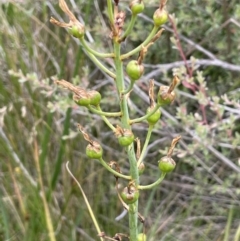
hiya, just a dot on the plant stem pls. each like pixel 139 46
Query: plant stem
pixel 113 171
pixel 130 87
pixel 160 179
pixel 92 51
pixel 107 122
pixel 146 42
pixel 48 218
pixel 133 208
pixel 101 66
pixel 107 114
pixel 150 128
pixel 110 11
pixel 145 116
pixel 130 27
pixel 86 201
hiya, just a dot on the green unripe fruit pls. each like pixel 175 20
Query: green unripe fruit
pixel 126 139
pixel 94 150
pixel 164 97
pixel 153 119
pixel 136 7
pixel 130 194
pixel 82 99
pixel 95 97
pixel 160 17
pixel 134 70
pixel 166 164
pixel 77 31
pixel 142 237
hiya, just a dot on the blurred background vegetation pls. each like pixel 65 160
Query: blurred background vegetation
pixel 38 134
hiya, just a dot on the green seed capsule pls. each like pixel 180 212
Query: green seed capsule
pixel 134 70
pixel 77 32
pixel 95 97
pixel 153 119
pixel 166 164
pixel 130 194
pixel 160 17
pixel 164 97
pixel 136 7
pixel 94 150
pixel 142 237
pixel 126 139
pixel 82 100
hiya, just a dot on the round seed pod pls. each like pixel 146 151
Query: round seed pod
pixel 95 97
pixel 77 31
pixel 160 17
pixel 165 98
pixel 153 119
pixel 142 237
pixel 166 164
pixel 126 139
pixel 130 194
pixel 82 100
pixel 134 70
pixel 94 150
pixel 136 7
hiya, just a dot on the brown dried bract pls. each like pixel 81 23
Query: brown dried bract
pixel 173 144
pixel 73 22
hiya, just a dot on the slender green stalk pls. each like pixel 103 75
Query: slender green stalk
pixel 150 129
pixel 92 51
pixel 228 226
pixel 87 203
pixel 121 86
pixel 110 11
pixel 107 114
pixel 48 218
pixel 136 50
pixel 237 235
pixel 101 66
pixel 46 140
pixel 163 174
pixel 5 220
pixel 129 28
pixel 130 87
pixel 58 165
pixel 133 208
pixel 107 122
pixel 145 116
pixel 113 171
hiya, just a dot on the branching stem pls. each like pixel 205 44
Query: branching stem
pixel 145 43
pixel 94 52
pixel 150 129
pixel 163 174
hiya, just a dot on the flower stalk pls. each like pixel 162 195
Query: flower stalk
pixel 91 99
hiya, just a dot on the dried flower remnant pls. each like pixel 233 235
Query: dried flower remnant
pixel 166 94
pixel 161 15
pixel 75 27
pixel 118 24
pixel 93 149
pixel 80 95
pixel 167 164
